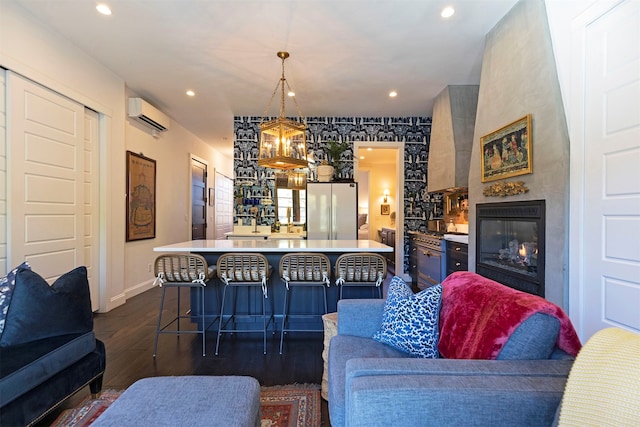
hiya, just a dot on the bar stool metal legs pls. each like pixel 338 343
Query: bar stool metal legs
pixel 183 271
pixel 251 271
pixel 303 270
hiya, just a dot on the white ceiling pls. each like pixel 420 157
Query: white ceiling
pixel 346 55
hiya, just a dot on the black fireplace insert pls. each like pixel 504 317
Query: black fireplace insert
pixel 510 245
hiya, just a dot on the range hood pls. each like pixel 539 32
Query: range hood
pixel 453 123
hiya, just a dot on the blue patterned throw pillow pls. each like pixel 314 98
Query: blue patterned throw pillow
pixel 7 284
pixel 410 321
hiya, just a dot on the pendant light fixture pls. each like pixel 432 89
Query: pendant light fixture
pixel 283 142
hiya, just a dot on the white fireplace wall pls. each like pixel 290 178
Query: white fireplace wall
pixel 519 77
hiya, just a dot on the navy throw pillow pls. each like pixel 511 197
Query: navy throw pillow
pixel 38 310
pixel 410 321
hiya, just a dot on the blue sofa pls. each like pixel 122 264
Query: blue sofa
pixel 375 384
pixel 48 350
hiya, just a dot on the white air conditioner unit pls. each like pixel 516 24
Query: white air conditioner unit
pixel 147 114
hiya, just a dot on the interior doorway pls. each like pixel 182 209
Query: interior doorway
pixel 198 200
pixel 383 163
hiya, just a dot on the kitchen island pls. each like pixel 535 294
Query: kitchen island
pixel 273 249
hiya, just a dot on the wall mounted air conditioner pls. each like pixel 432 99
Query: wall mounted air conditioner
pixel 147 114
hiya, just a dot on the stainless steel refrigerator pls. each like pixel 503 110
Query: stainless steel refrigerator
pixel 332 211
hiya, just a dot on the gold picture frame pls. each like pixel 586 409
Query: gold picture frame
pixel 506 152
pixel 385 209
pixel 141 197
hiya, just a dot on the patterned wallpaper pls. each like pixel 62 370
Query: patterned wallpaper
pixel 415 132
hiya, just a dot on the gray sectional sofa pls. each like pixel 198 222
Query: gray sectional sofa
pixel 520 382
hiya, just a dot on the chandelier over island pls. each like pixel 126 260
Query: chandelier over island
pixel 283 142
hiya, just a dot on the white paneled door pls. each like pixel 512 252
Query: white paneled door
pixel 608 273
pixel 53 189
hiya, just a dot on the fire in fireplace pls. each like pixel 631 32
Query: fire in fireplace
pixel 510 244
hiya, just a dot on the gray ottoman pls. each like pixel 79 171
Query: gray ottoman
pixel 230 401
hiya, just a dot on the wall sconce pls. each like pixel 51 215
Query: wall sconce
pixel 386 194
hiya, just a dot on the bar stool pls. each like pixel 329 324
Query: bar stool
pixel 303 269
pixel 360 269
pixel 183 271
pixel 248 270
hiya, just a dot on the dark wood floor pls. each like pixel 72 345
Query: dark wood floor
pixel 129 330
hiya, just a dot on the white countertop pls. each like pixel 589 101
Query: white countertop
pixel 282 235
pixel 458 238
pixel 275 246
pixel 263 232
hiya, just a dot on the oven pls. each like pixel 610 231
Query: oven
pixel 428 260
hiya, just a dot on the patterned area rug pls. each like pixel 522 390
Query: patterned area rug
pixel 294 405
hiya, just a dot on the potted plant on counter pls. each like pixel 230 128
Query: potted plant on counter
pixel 333 165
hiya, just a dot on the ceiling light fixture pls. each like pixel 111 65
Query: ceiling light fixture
pixel 283 142
pixel 190 93
pixel 393 94
pixel 447 12
pixel 103 9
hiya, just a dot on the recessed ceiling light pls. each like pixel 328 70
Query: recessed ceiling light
pixel 103 9
pixel 393 94
pixel 361 157
pixel 191 93
pixel 447 12
pixel 291 93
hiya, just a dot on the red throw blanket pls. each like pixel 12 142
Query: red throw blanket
pixel 478 315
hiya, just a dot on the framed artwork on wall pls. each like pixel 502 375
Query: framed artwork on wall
pixel 385 209
pixel 141 197
pixel 506 152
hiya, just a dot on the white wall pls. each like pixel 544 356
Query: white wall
pixel 31 50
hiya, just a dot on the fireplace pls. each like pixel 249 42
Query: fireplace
pixel 510 244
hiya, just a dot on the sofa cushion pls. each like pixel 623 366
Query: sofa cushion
pixel 341 349
pixel 410 321
pixel 7 284
pixel 535 338
pixel 26 366
pixel 39 311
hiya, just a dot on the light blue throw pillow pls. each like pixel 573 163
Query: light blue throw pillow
pixel 410 321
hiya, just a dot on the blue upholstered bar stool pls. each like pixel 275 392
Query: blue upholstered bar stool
pixel 303 270
pixel 360 269
pixel 251 271
pixel 183 271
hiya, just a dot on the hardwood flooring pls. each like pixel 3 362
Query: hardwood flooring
pixel 129 331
